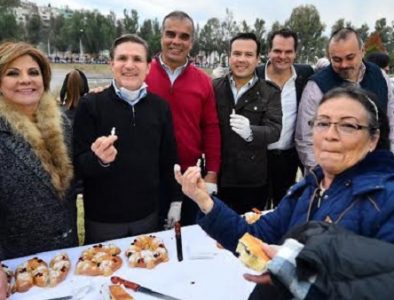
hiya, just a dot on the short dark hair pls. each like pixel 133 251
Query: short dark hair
pixel 180 15
pixel 343 34
pixel 377 119
pixel 133 38
pixel 247 36
pixel 379 58
pixel 284 32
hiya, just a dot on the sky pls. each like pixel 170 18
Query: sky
pixel 356 11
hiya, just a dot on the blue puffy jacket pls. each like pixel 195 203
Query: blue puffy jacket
pixel 361 199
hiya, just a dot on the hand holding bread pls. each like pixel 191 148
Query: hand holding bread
pixel 251 253
pixel 255 254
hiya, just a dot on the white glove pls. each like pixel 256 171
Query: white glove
pixel 174 214
pixel 241 126
pixel 212 188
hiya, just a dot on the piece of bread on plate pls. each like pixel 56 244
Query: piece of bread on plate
pixel 58 269
pixel 23 278
pixel 251 253
pixel 39 270
pixel 116 292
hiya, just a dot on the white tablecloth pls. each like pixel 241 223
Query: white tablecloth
pixel 206 273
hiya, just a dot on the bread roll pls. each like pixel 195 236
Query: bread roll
pixel 118 293
pixel 39 270
pixel 23 278
pixel 58 269
pixel 99 260
pixel 146 251
pixel 251 252
pixel 10 276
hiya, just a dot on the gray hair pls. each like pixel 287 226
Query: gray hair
pixel 361 96
pixel 344 34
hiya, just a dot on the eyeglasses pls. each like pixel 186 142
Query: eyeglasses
pixel 343 127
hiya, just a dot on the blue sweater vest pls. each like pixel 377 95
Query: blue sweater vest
pixel 373 81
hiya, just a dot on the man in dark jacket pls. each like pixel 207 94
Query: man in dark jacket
pixel 250 117
pixel 283 159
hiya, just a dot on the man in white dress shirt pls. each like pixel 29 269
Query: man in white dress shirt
pixel 283 160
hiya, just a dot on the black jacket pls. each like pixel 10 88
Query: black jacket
pixel 127 190
pixel 348 266
pixel 244 164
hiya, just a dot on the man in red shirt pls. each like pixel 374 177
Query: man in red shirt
pixel 190 95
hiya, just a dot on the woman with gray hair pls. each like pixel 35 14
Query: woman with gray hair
pixel 352 186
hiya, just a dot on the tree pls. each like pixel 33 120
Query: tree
pixel 150 32
pixel 276 26
pixel 245 27
pixel 209 36
pixel 305 20
pixel 58 38
pixel 154 41
pixel 108 30
pixel 92 23
pixel 34 29
pixel 391 60
pixel 386 33
pixel 196 42
pixel 119 28
pixel 8 20
pixel 363 32
pixel 374 43
pixel 390 42
pixel 259 30
pixel 340 23
pixel 229 28
pixel 9 3
pixel 383 29
pixel 130 23
pixel 72 31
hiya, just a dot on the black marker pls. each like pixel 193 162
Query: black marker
pixel 178 238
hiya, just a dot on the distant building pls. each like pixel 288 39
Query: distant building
pixel 27 8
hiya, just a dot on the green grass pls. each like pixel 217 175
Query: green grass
pixel 95 68
pixel 87 68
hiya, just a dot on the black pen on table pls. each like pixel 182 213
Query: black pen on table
pixel 178 238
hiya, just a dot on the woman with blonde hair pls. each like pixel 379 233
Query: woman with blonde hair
pixel 36 213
